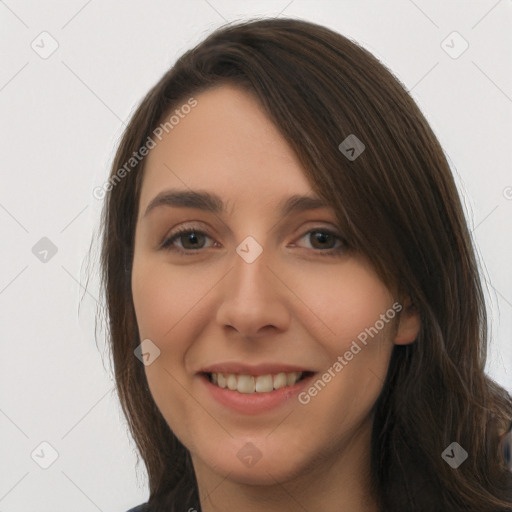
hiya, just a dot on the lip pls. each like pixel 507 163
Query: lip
pixel 255 403
pixel 254 370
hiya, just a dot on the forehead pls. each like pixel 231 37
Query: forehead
pixel 225 143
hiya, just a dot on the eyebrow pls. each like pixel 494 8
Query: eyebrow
pixel 213 203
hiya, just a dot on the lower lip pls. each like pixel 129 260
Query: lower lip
pixel 255 403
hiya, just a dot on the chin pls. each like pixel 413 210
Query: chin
pixel 248 466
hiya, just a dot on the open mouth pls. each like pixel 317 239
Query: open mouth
pixel 248 384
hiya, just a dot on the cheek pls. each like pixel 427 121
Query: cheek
pixel 166 302
pixel 163 297
pixel 358 345
pixel 344 302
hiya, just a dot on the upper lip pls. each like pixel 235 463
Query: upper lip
pixel 246 369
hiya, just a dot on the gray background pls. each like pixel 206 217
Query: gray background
pixel 61 117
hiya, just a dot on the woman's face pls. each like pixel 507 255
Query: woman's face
pixel 261 290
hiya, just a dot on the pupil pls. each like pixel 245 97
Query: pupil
pixel 192 238
pixel 321 237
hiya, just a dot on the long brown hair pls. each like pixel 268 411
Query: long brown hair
pixel 396 203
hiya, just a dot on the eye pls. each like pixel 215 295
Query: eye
pixel 189 238
pixel 325 240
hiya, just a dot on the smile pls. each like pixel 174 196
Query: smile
pixel 248 384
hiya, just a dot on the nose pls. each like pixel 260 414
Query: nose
pixel 254 300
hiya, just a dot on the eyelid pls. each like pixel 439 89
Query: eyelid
pixel 183 229
pixel 329 231
pixel 187 228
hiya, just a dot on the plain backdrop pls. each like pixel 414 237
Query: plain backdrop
pixel 62 114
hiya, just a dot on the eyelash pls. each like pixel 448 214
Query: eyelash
pixel 167 244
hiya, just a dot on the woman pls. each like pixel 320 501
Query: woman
pixel 258 369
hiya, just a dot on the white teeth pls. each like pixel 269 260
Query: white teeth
pixel 246 384
pixel 291 378
pixel 264 384
pixel 249 384
pixel 231 381
pixel 280 380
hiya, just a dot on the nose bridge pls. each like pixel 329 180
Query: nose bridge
pixel 250 275
pixel 252 297
pixel 250 278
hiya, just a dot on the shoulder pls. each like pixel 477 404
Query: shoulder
pixel 139 508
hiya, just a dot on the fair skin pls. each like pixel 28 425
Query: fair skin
pixel 292 305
